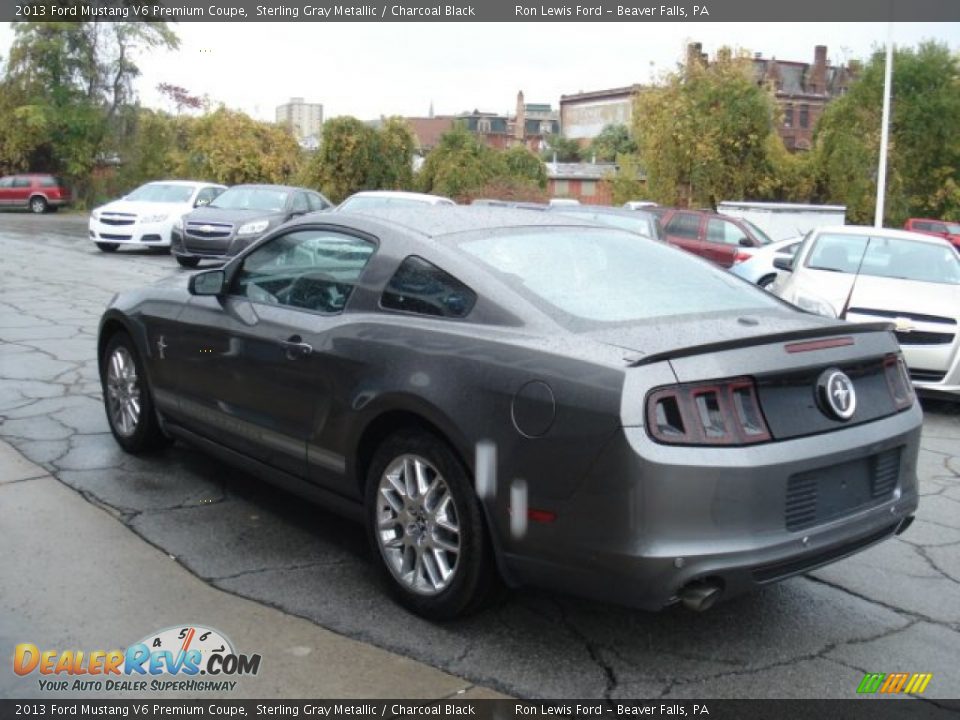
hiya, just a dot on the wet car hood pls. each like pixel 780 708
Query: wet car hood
pixel 230 215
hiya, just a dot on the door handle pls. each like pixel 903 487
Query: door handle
pixel 296 348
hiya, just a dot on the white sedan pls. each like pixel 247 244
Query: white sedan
pixel 145 217
pixel 865 274
pixel 759 268
pixel 375 199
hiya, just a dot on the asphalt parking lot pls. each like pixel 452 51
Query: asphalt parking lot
pixel 895 607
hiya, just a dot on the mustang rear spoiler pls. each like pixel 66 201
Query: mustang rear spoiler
pixel 741 342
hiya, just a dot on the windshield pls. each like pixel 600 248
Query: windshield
pixel 760 234
pixel 880 256
pixel 251 198
pixel 584 276
pixel 953 228
pixel 371 202
pixel 162 192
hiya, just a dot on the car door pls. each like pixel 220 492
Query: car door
pixel 683 230
pixel 6 191
pixel 20 191
pixel 724 240
pixel 256 362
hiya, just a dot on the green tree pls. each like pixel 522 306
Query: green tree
pixel 459 164
pixel 612 141
pixel 395 148
pixel 463 168
pixel 347 160
pixel 924 152
pixel 524 167
pixel 702 135
pixel 67 91
pixel 562 149
pixel 628 183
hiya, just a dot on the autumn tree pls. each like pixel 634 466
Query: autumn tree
pixel 702 134
pixel 230 147
pixel 923 175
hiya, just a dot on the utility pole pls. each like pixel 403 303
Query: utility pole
pixel 884 131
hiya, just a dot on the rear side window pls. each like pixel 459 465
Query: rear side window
pixel 421 287
pixel 685 225
pixel 725 232
pixel 50 181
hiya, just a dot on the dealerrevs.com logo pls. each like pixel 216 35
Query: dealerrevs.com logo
pixel 186 658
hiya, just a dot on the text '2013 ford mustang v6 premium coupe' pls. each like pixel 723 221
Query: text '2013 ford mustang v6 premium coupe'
pixel 527 397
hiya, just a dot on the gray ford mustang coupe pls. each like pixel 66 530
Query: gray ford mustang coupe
pixel 502 395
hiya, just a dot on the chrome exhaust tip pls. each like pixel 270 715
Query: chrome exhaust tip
pixel 700 595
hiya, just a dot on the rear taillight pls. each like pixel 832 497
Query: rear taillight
pixel 898 381
pixel 724 412
pixel 741 257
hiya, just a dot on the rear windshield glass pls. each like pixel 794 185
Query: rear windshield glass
pixel 585 276
pixel 161 192
pixel 888 257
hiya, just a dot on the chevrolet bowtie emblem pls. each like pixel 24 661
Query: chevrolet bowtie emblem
pixel 206 228
pixel 903 324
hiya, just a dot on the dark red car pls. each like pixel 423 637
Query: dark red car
pixel 37 192
pixel 724 240
pixel 941 228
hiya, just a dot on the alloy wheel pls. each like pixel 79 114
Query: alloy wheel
pixel 417 528
pixel 123 392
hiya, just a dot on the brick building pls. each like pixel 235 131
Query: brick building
pixel 584 114
pixel 586 182
pixel 801 89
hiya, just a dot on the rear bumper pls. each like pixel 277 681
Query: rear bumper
pixel 650 520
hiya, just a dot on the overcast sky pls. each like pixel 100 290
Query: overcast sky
pixel 373 69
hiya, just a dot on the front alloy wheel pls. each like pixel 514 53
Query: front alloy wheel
pixel 123 392
pixel 417 526
pixel 38 205
pixel 127 398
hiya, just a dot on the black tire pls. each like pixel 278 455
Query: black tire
pixel 38 205
pixel 107 247
pixel 767 280
pixel 475 580
pixel 188 262
pixel 145 434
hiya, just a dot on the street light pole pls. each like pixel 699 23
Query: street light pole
pixel 884 131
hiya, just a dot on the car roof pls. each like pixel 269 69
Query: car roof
pixel 424 197
pixel 600 210
pixel 442 220
pixel 267 186
pixel 191 183
pixel 854 230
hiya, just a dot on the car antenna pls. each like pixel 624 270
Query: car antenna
pixel 853 285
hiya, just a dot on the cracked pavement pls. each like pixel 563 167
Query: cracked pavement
pixel 895 607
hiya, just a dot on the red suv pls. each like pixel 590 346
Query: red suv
pixel 723 239
pixel 941 228
pixel 37 192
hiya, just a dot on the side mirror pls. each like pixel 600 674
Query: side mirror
pixel 745 242
pixel 209 282
pixel 782 263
